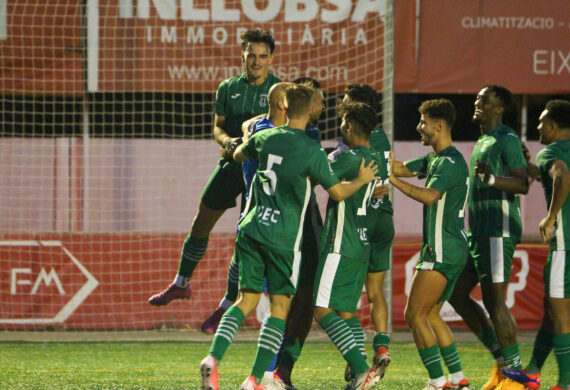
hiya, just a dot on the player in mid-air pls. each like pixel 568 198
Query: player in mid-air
pixel 345 249
pixel 498 174
pixel 444 245
pixel 237 99
pixel 553 162
pixel 268 244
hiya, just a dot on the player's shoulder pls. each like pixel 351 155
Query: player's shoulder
pixel 507 134
pixel 272 79
pixel 232 81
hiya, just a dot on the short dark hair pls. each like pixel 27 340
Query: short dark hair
pixel 298 99
pixel 439 109
pixel 362 117
pixel 307 80
pixel 363 93
pixel 257 36
pixel 502 93
pixel 559 112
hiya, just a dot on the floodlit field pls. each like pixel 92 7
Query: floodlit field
pixel 174 365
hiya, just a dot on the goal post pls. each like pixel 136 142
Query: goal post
pixel 105 138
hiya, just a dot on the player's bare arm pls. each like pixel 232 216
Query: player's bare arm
pixel 425 195
pixel 239 155
pixel 560 189
pixel 517 182
pixel 531 169
pixel 222 137
pixel 343 190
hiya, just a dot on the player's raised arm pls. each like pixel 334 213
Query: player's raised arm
pixel 425 195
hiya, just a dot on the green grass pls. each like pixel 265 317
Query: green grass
pixel 174 365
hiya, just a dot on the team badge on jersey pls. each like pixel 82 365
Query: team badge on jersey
pixel 262 100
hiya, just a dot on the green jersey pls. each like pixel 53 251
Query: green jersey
pixel 238 101
pixel 559 150
pixel 380 144
pixel 346 225
pixel 443 226
pixel 281 189
pixel 492 212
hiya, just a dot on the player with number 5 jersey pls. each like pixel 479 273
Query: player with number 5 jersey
pixel 268 244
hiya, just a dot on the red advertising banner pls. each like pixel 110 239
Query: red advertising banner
pixel 457 46
pixel 103 281
pixel 40 47
pixel 190 46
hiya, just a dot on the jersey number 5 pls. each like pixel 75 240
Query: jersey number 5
pixel 269 188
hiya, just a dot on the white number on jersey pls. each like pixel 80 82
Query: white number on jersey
pixel 362 209
pixel 268 173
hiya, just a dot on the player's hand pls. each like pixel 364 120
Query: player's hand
pixel 367 172
pixel 381 191
pixel 483 170
pixel 230 145
pixel 546 228
pixel 224 154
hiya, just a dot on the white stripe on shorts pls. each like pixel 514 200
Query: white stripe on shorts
pixel 296 266
pixel 556 286
pixel 560 232
pixel 327 280
pixel 497 259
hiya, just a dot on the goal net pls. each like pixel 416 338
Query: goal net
pixel 106 143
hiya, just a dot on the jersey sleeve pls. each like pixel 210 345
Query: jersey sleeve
pixel 320 169
pixel 249 147
pixel 418 166
pixel 544 160
pixel 442 178
pixel 343 166
pixel 221 98
pixel 512 154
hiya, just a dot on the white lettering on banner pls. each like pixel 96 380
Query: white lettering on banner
pixel 508 22
pixel 269 13
pixel 294 10
pixel 14 279
pixel 220 35
pixel 213 73
pixel 42 277
pixel 553 62
pixel 168 35
pixel 447 311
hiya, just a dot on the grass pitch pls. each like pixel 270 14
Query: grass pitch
pixel 174 365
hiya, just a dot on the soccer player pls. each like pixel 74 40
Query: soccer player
pixel 553 162
pixel 380 232
pixel 268 243
pixel 345 249
pixel 237 99
pixel 498 174
pixel 275 118
pixel 444 245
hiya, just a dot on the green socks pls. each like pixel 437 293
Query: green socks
pixel 192 252
pixel 562 352
pixel 432 361
pixel 358 333
pixel 229 325
pixel 512 356
pixel 268 345
pixel 233 281
pixel 451 358
pixel 543 344
pixel 341 336
pixel 380 340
